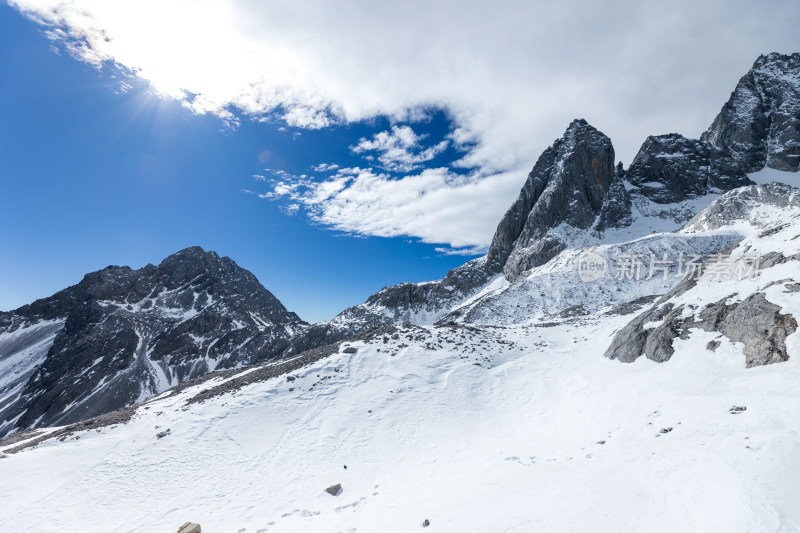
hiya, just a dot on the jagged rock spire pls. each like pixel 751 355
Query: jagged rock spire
pixel 567 185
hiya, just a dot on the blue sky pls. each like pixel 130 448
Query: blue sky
pixel 92 177
pixel 331 149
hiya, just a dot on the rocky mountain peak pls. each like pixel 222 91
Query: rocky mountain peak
pixel 760 123
pixel 775 62
pixel 566 186
pixel 127 334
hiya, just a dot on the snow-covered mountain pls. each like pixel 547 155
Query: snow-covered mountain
pixel 470 427
pixel 491 400
pixel 575 197
pixel 122 335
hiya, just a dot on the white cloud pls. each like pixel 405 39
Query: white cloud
pixel 510 75
pixel 325 167
pixel 435 205
pixel 399 149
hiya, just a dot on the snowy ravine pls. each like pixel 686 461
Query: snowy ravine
pixel 524 427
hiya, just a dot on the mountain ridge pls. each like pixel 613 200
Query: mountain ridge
pixel 126 334
pixel 148 329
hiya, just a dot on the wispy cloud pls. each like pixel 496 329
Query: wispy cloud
pixel 434 205
pixel 399 150
pixel 325 167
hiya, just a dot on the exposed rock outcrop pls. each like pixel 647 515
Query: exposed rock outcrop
pixel 755 322
pixel 749 318
pixel 760 123
pixel 671 168
pixel 616 211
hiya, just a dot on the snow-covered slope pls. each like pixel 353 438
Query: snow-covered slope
pixel 557 287
pixel 21 353
pixel 523 427
pixel 749 295
pixel 500 429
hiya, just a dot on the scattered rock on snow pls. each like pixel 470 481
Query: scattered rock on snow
pixel 162 434
pixel 350 349
pixel 426 523
pixel 755 322
pixel 189 527
pixel 334 490
pixel 666 430
pixel 736 409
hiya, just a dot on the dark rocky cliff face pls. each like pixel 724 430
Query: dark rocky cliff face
pixel 128 334
pixel 760 123
pixel 566 186
pixel 671 168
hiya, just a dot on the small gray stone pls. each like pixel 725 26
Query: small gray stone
pixel 189 527
pixel 713 345
pixel 334 490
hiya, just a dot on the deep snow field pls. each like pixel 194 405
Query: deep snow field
pixel 544 435
pixel 498 427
